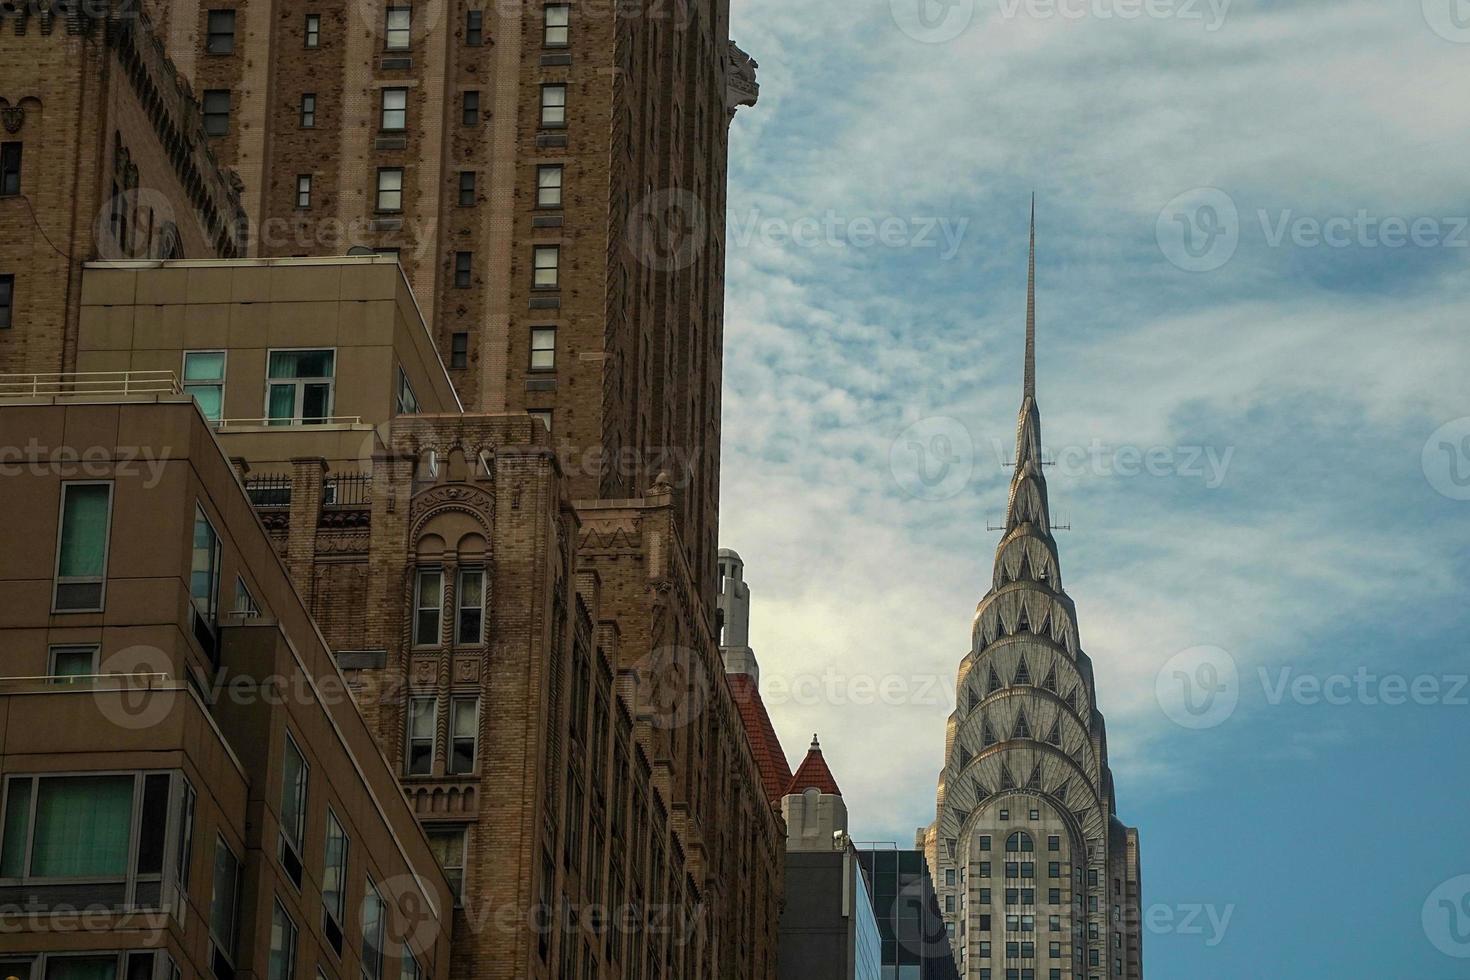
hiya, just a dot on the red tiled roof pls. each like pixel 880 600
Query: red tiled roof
pixel 813 772
pixel 770 758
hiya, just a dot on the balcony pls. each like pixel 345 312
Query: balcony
pixel 89 384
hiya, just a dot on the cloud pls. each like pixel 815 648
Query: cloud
pixel 1320 369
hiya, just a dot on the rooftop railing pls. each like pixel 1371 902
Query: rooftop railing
pixel 224 425
pixel 91 384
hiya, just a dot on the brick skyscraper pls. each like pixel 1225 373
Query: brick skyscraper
pixel 550 175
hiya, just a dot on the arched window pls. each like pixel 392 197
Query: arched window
pixel 1020 842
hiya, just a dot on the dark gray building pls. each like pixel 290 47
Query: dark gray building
pixel 914 943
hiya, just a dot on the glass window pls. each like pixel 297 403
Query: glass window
pixel 10 168
pixel 313 30
pixel 408 968
pixel 217 112
pixel 334 871
pixel 7 301
pixel 421 720
pixel 220 37
pixel 399 23
pixel 448 845
pixel 543 348
pixel 308 110
pixel 985 842
pixel 294 774
pixel 68 662
pixel 557 28
pixel 459 350
pixel 394 116
pixel 299 386
pixel 303 190
pixel 390 189
pixel 283 944
pixel 547 262
pixel 79 828
pixel 553 105
pixel 474 27
pixel 463 265
pixel 373 915
pixel 548 186
pixel 407 401
pixel 81 553
pixel 470 596
pixel 428 607
pixel 223 905
pixel 464 731
pixel 204 570
pixel 204 378
pixel 466 188
pixel 470 108
pixel 541 415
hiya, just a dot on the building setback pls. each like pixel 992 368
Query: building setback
pixel 1038 876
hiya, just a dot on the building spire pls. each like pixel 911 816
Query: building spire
pixel 1029 390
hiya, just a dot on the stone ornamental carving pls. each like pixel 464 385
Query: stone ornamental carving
pixel 741 87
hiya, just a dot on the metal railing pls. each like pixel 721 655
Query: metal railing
pixel 224 425
pixel 348 490
pixel 269 489
pixel 91 383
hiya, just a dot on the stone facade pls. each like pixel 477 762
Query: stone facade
pixel 1035 870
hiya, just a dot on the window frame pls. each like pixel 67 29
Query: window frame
pixel 211 34
pixel 474 28
pixel 542 170
pixel 410 740
pixel 469 107
pixel 544 105
pixel 303 192
pixel 307 116
pixel 547 27
pixel 380 191
pixel 92 649
pixel 226 947
pixel 478 638
pixel 298 406
pixel 311 32
pixel 7 300
pixel 383 110
pixel 468 187
pixel 211 616
pixel 538 345
pixel 459 357
pixel 456 881
pixel 371 948
pixel 335 918
pixel 456 702
pixel 100 580
pixel 464 269
pixel 208 114
pixel 279 910
pixel 537 267
pixel 12 154
pixel 186 384
pixel 389 31
pixel 294 842
pixel 419 607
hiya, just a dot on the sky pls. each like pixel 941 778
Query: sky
pixel 1253 234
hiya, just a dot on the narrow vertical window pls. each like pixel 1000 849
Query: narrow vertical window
pixel 399 24
pixel 204 378
pixel 553 106
pixel 470 597
pixel 548 186
pixel 466 188
pixel 294 773
pixel 283 944
pixel 543 348
pixel 464 717
pixel 334 881
pixel 220 34
pixel 546 263
pixel 408 965
pixel 448 845
pixel 9 169
pixel 373 915
pixel 223 906
pixel 81 553
pixel 217 112
pixel 459 350
pixel 303 190
pixel 463 262
pixel 541 415
pixel 313 30
pixel 7 301
pixel 557 28
pixel 421 719
pixel 394 116
pixel 470 108
pixel 474 28
pixel 204 580
pixel 390 189
pixel 428 607
pixel 308 110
